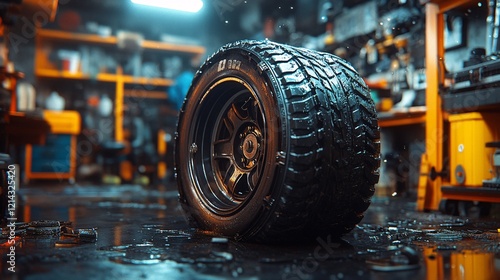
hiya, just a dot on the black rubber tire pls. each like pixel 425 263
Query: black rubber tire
pixel 318 137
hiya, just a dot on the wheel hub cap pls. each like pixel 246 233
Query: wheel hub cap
pixel 249 148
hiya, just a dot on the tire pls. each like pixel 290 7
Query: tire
pixel 276 143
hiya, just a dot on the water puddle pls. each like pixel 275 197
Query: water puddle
pixel 150 235
pixel 443 247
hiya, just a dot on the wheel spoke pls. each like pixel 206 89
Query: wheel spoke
pixel 223 149
pixel 231 179
pixel 253 178
pixel 233 119
pixel 253 111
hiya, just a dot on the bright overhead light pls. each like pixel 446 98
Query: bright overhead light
pixel 191 6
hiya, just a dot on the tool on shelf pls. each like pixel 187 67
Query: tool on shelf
pixel 495 181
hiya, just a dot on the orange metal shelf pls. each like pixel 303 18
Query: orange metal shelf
pixel 60 74
pixel 410 116
pixel 401 120
pixel 147 81
pixel 56 35
pixel 162 46
pixel 102 77
pixel 470 193
pixel 446 5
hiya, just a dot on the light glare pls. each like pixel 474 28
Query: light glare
pixel 191 6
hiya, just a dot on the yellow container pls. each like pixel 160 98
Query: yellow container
pixel 63 122
pixel 470 160
pixel 470 264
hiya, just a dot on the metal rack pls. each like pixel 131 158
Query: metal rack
pixel 447 110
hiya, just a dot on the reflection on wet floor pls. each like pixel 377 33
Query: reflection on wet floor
pixel 102 232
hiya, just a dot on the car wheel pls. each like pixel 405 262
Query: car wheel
pixel 276 143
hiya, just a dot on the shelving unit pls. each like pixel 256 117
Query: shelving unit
pixel 434 184
pixel 49 70
pixel 49 41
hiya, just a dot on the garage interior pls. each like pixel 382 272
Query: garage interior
pixel 90 100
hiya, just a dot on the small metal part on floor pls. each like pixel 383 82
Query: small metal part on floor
pixel 137 232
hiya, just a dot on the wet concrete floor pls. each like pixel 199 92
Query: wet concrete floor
pixel 142 234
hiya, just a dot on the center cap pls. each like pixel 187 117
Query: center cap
pixel 250 144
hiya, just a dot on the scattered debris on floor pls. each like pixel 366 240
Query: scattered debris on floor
pixel 60 233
